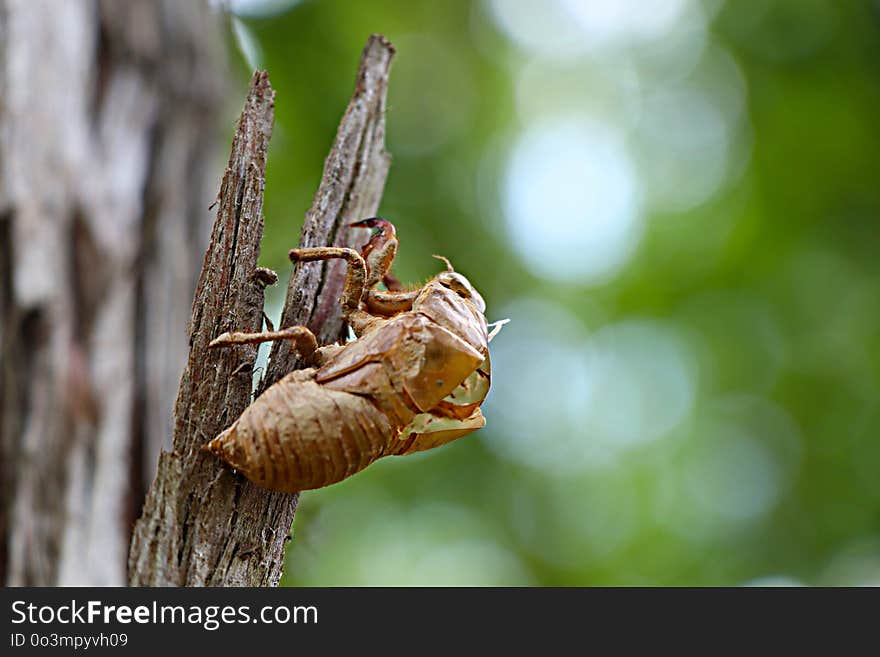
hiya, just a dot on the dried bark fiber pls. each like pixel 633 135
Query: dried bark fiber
pixel 202 524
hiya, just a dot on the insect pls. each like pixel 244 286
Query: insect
pixel 414 378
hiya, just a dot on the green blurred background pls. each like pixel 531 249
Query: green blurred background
pixel 676 203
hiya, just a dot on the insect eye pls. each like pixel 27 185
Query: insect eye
pixel 456 287
pixel 460 289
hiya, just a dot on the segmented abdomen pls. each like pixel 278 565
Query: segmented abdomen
pixel 300 435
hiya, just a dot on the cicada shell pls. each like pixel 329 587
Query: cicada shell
pixel 414 379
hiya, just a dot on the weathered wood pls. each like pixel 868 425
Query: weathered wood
pixel 199 518
pixel 202 524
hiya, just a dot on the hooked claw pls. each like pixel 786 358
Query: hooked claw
pixel 379 225
pixel 383 240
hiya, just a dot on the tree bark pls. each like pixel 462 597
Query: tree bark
pixel 202 524
pixel 107 123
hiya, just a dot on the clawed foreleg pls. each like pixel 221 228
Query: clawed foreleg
pixel 355 277
pixel 304 341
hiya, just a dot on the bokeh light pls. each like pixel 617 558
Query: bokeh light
pixel 572 201
pixel 675 204
pixel 539 384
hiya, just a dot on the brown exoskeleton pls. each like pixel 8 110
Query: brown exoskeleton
pixel 413 380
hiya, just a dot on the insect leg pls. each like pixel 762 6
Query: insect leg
pixel 427 431
pixel 379 251
pixel 303 339
pixel 391 283
pixel 323 354
pixel 390 303
pixel 379 263
pixel 355 277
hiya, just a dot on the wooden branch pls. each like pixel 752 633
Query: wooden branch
pixel 351 189
pixel 198 518
pixel 202 524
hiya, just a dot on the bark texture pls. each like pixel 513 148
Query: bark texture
pixel 202 524
pixel 107 121
pixel 198 518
